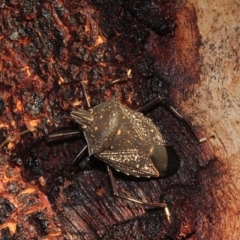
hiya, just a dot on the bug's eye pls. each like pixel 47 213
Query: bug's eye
pixel 166 160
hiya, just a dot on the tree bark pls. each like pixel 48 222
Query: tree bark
pixel 186 51
pixel 214 105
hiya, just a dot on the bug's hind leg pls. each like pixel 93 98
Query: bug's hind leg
pixel 116 194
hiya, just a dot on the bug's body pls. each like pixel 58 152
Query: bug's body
pixel 126 140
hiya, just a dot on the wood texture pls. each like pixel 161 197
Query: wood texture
pixel 193 62
pixel 214 105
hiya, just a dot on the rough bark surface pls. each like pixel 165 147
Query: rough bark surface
pixel 187 51
pixel 216 105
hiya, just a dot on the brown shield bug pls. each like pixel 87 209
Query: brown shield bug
pixel 128 142
pixel 124 139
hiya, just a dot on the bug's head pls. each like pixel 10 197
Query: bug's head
pixel 165 159
pixel 82 117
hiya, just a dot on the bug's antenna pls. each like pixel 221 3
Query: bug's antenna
pixel 11 138
pixel 60 79
pixel 85 95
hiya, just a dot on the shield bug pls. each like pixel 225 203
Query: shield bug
pixel 128 142
pixel 124 139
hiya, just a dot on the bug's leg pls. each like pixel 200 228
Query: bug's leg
pixel 116 194
pixel 152 103
pixel 161 100
pixel 66 135
pixel 74 161
pixel 125 78
pixel 119 80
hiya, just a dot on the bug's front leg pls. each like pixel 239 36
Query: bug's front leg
pixel 66 135
pixel 116 194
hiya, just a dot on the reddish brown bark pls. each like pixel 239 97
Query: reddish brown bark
pixel 192 61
